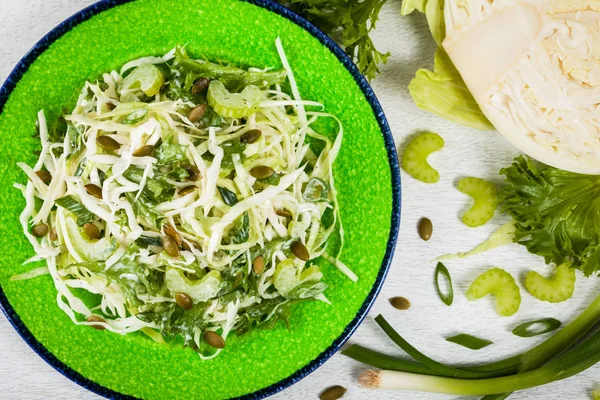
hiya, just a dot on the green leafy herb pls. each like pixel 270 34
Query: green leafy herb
pixel 145 241
pixel 157 189
pixel 169 152
pixel 228 196
pixel 231 147
pixel 241 230
pixel 448 296
pixel 179 174
pixel 350 22
pixel 538 327
pixel 267 313
pixel 70 203
pixel 468 341
pixel 144 206
pixel 554 212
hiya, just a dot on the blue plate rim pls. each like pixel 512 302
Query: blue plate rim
pixel 103 5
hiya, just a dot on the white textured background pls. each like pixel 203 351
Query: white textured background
pixel 23 375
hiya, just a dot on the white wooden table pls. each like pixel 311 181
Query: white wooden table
pixel 23 375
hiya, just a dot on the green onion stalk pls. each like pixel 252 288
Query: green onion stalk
pixel 557 358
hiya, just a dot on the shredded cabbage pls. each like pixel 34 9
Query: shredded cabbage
pixel 159 199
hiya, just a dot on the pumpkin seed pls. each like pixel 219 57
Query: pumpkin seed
pixel 193 172
pixel 401 303
pixel 172 233
pixel 39 230
pixel 214 339
pixel 184 301
pixel 107 143
pixel 333 393
pixel 197 112
pixel 251 136
pixel 170 246
pixel 144 151
pixel 44 176
pixel 200 85
pixel 91 231
pixel 95 318
pixel 258 265
pixel 284 213
pixel 53 235
pixel 94 190
pixel 300 251
pixel 261 172
pixel 425 228
pixel 186 190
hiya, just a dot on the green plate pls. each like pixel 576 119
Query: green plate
pixel 104 37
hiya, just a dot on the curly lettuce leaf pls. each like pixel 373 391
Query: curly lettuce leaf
pixel 443 91
pixel 557 213
pixel 350 22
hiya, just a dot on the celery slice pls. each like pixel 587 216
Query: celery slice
pixel 414 158
pixel 502 286
pixel 233 105
pixel 484 196
pixel 558 288
pixel 146 77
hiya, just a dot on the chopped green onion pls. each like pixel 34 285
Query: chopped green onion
pixel 135 116
pixel 448 296
pixel 468 341
pixel 228 196
pixel 539 327
pixel 316 191
pixel 80 168
pixel 145 241
pixel 70 203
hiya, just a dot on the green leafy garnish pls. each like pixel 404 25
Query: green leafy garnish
pixel 469 341
pixel 228 196
pixel 554 213
pixel 537 327
pixel 169 152
pixel 351 21
pixel 70 203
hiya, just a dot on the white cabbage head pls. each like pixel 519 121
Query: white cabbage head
pixel 533 66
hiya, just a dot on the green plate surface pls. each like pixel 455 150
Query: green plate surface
pixel 245 34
